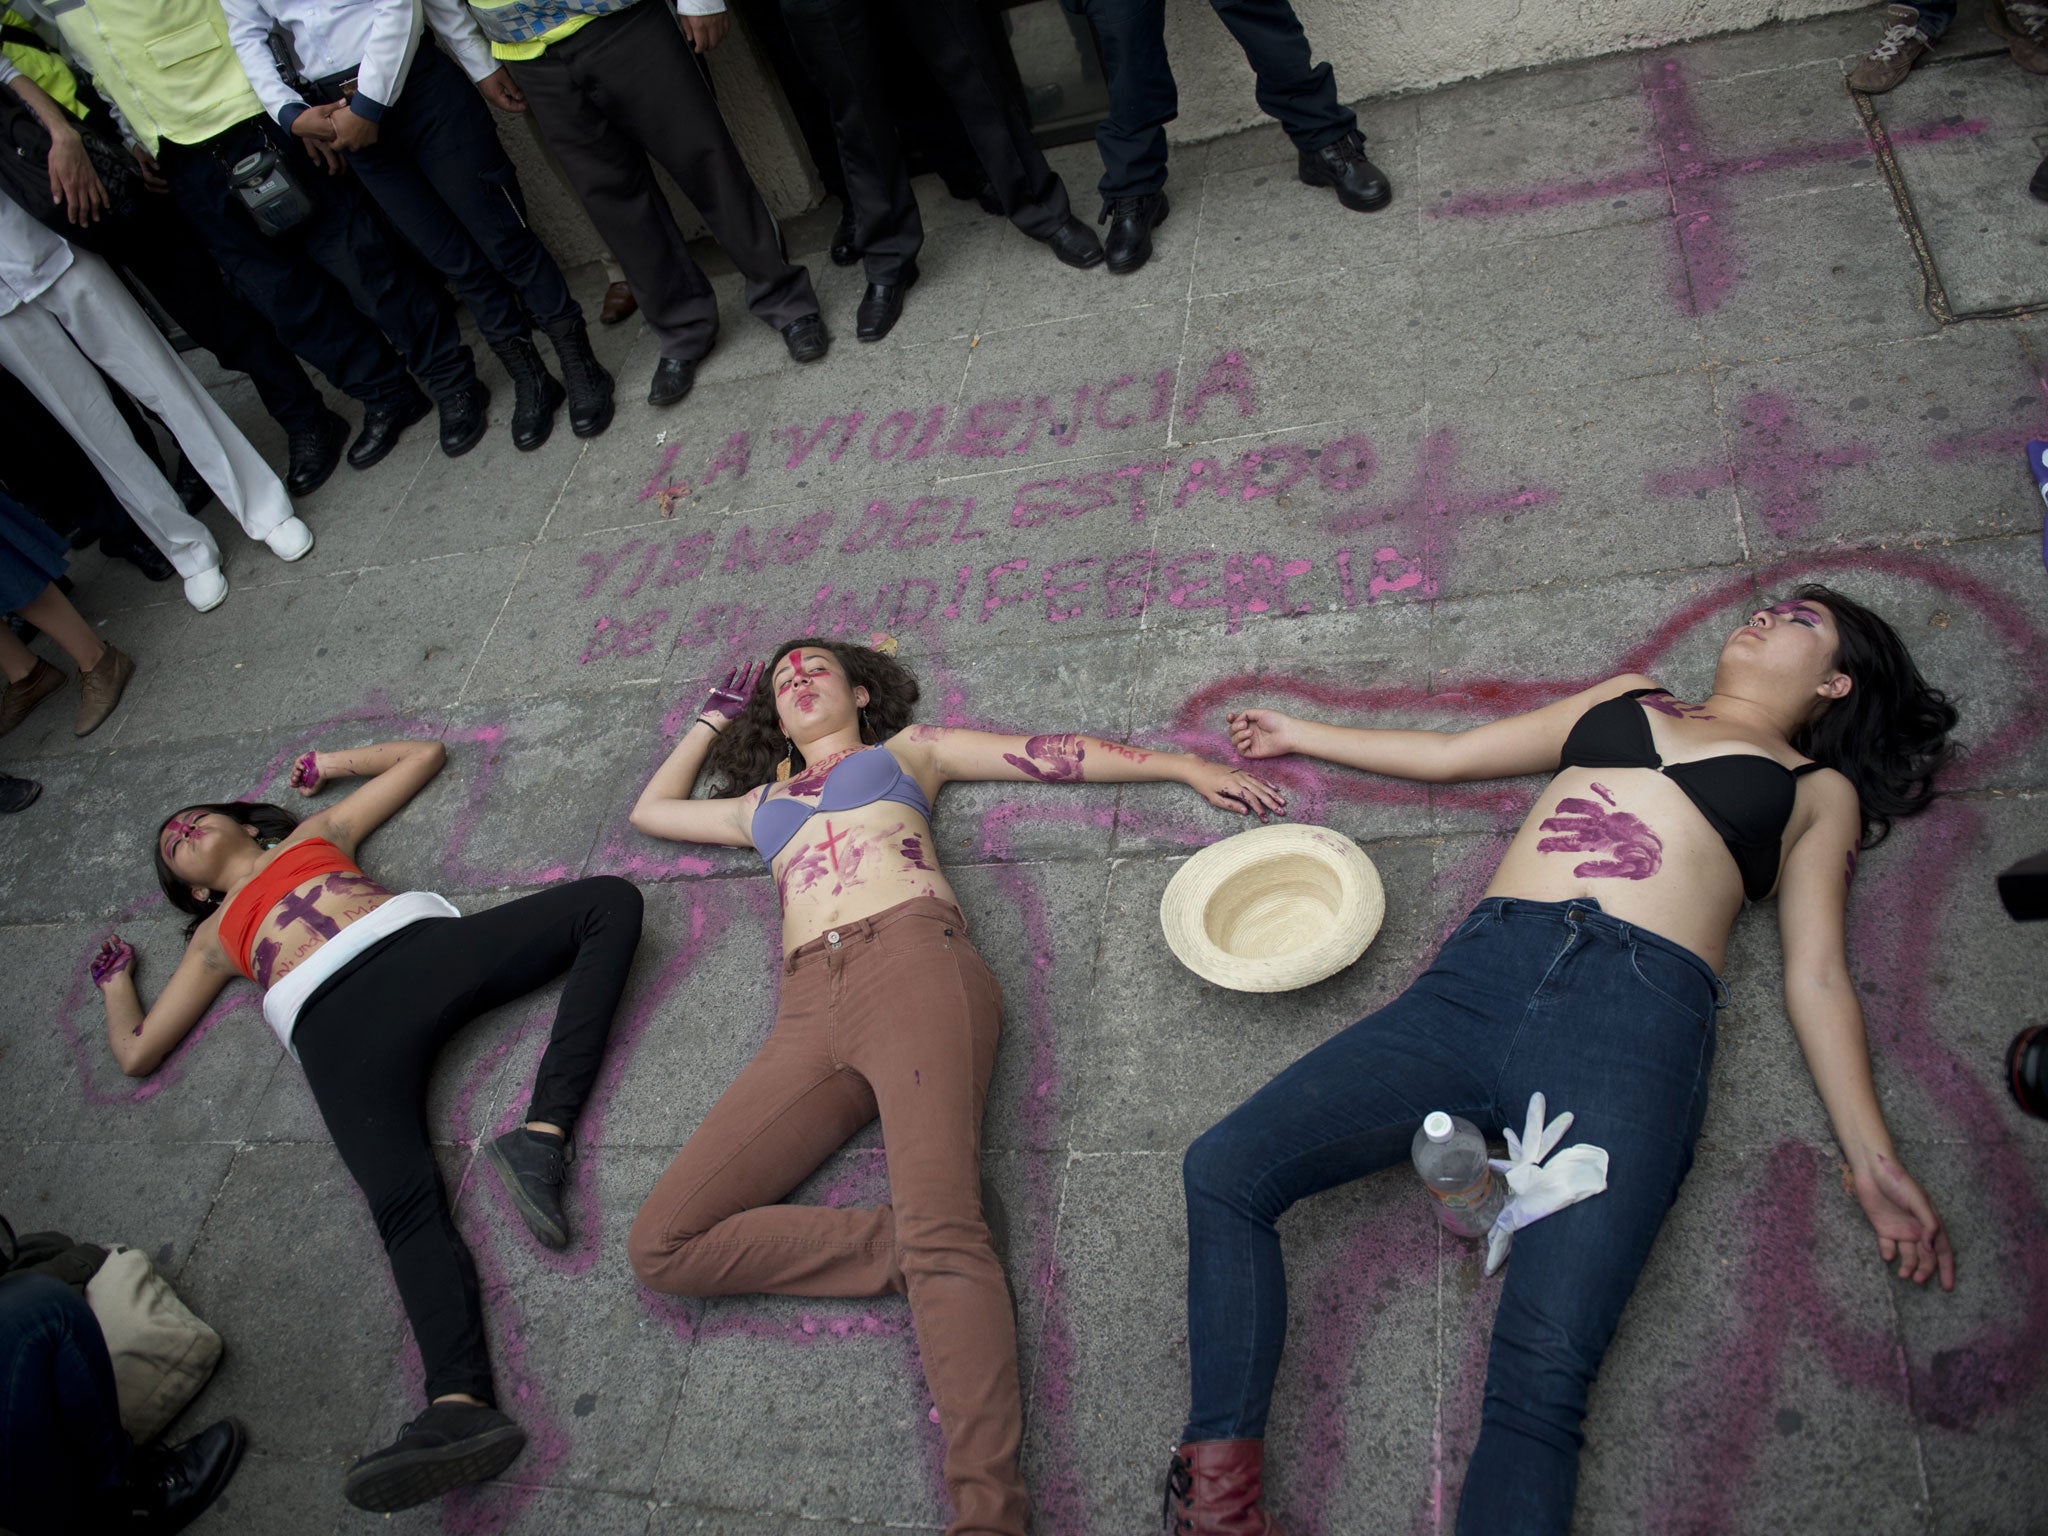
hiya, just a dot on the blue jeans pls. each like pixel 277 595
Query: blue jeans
pixel 1936 17
pixel 1608 1021
pixel 62 1448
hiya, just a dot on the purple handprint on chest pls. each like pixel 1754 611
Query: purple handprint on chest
pixel 1627 849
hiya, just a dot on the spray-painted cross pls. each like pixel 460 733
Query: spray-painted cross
pixel 1778 467
pixel 1432 502
pixel 1704 259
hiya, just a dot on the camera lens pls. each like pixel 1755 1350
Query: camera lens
pixel 2026 1065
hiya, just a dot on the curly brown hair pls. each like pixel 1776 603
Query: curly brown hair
pixel 747 751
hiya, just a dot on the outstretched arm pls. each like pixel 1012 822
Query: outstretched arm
pixel 1500 749
pixel 392 771
pixel 1072 759
pixel 1812 903
pixel 665 808
pixel 141 1040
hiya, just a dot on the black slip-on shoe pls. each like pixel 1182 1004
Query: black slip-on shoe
pixel 532 1165
pixel 449 1445
pixel 673 378
pixel 882 306
pixel 1075 244
pixel 806 338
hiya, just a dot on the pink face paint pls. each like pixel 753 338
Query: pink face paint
pixel 179 831
pixel 1050 759
pixel 1629 849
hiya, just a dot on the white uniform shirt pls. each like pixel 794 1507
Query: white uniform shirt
pixel 32 255
pixel 372 39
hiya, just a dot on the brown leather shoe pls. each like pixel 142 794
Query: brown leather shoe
pixel 619 304
pixel 25 695
pixel 1902 46
pixel 1213 1488
pixel 2025 30
pixel 100 689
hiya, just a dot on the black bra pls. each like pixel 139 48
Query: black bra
pixel 1745 797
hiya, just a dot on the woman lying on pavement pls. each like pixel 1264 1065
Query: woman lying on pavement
pixel 1587 973
pixel 885 1008
pixel 364 987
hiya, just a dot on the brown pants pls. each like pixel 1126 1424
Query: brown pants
pixel 895 1014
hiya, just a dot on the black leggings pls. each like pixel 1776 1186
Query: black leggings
pixel 368 1039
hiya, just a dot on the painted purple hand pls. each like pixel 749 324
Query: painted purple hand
pixel 112 958
pixel 1050 759
pixel 1629 849
pixel 729 698
pixel 306 775
pixel 913 851
pixel 263 961
pixel 1677 709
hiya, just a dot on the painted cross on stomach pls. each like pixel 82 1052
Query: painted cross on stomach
pixel 1627 848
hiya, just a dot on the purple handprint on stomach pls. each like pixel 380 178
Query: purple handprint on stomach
pixel 1629 849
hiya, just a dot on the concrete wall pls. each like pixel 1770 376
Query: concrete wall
pixel 1377 46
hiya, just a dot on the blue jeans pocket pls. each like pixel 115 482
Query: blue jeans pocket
pixel 1676 982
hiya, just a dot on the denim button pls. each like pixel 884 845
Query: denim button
pixel 949 933
pixel 832 937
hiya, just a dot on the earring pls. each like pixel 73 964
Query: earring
pixel 788 758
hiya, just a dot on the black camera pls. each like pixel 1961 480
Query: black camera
pixel 2024 890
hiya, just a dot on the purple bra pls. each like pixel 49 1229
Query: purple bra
pixel 862 779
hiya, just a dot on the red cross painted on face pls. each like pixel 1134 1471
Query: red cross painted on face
pixel 1777 470
pixel 1431 504
pixel 832 841
pixel 1705 262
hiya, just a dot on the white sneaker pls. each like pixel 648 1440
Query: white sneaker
pixel 208 590
pixel 289 539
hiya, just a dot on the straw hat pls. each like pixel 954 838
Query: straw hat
pixel 1273 909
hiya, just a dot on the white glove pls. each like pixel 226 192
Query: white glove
pixel 1537 1189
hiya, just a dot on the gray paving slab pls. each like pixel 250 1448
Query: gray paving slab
pixel 1968 188
pixel 288 1268
pixel 1660 353
pixel 102 1193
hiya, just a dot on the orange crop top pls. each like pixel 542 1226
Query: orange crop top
pixel 249 906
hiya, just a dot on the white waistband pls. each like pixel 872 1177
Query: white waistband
pixel 281 1004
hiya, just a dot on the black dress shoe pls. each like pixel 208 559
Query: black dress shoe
pixel 314 453
pixel 464 417
pixel 447 1446
pixel 882 306
pixel 806 339
pixel 382 430
pixel 17 794
pixel 844 252
pixel 191 487
pixel 1361 185
pixel 169 1489
pixel 673 377
pixel 129 544
pixel 1075 244
pixel 1131 222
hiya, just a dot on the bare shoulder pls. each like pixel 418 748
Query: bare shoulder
pixel 1630 682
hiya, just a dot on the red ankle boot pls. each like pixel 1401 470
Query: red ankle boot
pixel 1213 1488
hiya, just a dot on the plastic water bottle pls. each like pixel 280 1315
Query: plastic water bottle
pixel 1450 1154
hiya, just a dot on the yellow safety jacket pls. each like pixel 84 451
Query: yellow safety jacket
pixel 167 65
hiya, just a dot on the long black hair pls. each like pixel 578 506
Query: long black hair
pixel 747 750
pixel 272 824
pixel 1889 734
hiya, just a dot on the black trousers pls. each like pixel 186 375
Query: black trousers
pixel 163 252
pixel 839 43
pixel 1292 87
pixel 440 173
pixel 627 86
pixel 317 283
pixel 368 1039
